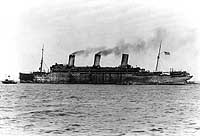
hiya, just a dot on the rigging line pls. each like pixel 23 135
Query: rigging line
pixel 45 65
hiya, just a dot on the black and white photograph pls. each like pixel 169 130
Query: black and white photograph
pixel 100 68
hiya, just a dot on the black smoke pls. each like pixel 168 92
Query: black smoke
pixel 138 46
pixel 88 51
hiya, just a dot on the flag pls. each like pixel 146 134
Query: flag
pixel 166 53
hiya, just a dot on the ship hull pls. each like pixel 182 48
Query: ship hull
pixel 26 77
pixel 124 74
pixel 103 78
pixel 9 82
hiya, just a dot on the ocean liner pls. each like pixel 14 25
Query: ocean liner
pixel 124 74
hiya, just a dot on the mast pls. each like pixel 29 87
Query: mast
pixel 158 57
pixel 41 63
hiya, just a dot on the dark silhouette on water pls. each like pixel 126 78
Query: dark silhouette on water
pixel 9 81
pixel 123 74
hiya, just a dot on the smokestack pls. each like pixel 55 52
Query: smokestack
pixel 97 58
pixel 71 60
pixel 124 61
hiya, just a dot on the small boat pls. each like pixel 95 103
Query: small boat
pixel 9 81
pixel 6 81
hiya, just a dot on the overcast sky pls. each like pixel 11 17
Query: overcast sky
pixel 65 26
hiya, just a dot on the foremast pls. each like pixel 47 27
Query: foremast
pixel 41 63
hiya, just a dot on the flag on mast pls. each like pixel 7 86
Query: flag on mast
pixel 166 53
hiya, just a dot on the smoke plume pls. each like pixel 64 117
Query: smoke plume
pixel 138 46
pixel 88 51
pixel 157 35
pixel 124 47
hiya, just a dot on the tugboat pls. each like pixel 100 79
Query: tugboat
pixel 9 81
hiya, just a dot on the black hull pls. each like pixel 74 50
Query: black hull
pixel 6 82
pixel 120 78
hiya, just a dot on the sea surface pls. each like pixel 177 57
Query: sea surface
pixel 99 110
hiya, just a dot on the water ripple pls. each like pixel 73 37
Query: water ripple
pixel 111 110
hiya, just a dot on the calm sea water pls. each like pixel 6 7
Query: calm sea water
pixel 99 110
